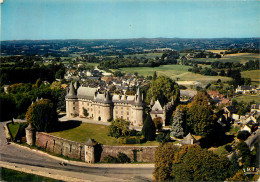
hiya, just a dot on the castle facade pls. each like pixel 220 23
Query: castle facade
pixel 103 106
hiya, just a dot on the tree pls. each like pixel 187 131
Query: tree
pixel 239 176
pixel 200 120
pixel 192 163
pixel 85 112
pixel 149 129
pixel 119 128
pixel 164 156
pixel 154 75
pixel 42 114
pixel 177 124
pixel 158 123
pixel 163 89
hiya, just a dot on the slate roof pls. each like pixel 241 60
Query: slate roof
pixel 86 93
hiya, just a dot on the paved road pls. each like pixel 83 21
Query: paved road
pixel 14 154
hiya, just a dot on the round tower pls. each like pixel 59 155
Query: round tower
pixel 30 134
pixel 138 109
pixel 72 108
pixel 107 107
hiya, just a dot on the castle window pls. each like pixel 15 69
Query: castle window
pixel 116 112
pixel 121 117
pixel 121 107
pixel 128 118
pixel 73 102
pixel 122 112
pixel 127 113
pixel 73 108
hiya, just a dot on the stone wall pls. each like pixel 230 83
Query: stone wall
pixel 60 146
pixel 76 150
pixel 135 153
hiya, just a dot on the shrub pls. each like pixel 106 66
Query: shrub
pixel 131 140
pixel 110 159
pixel 123 158
pixel 228 148
pixel 119 128
pixel 243 135
pixel 163 137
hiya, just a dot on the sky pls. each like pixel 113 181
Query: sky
pixel 119 19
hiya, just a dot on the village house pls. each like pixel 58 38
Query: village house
pixel 245 89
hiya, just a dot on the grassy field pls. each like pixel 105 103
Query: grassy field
pixel 13 128
pixel 253 74
pixel 146 55
pixel 98 132
pixel 174 72
pixel 237 58
pixel 248 98
pixel 11 175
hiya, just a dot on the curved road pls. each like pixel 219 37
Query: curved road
pixel 13 154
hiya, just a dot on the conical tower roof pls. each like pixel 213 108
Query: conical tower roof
pixel 72 92
pixel 107 98
pixel 91 142
pixel 188 140
pixel 138 98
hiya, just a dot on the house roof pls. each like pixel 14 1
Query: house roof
pixel 157 106
pixel 244 87
pixel 188 140
pixel 189 93
pixel 232 109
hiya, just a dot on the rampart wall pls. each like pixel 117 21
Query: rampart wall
pixel 60 146
pixel 76 150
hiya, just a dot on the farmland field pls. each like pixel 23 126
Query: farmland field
pixel 174 72
pixel 237 58
pixel 146 55
pixel 253 74
pixel 248 98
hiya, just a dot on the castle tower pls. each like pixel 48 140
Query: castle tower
pixel 30 135
pixel 90 151
pixel 72 106
pixel 107 107
pixel 138 109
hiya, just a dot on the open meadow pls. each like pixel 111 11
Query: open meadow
pixel 174 72
pixel 248 98
pixel 253 74
pixel 236 58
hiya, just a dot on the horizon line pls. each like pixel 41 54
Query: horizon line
pixel 130 38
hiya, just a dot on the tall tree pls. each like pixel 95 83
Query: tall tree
pixel 192 163
pixel 42 114
pixel 163 89
pixel 149 129
pixel 177 124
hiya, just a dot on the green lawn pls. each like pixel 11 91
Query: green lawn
pixel 248 98
pixel 12 175
pixel 13 128
pixel 253 74
pixel 98 132
pixel 174 72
